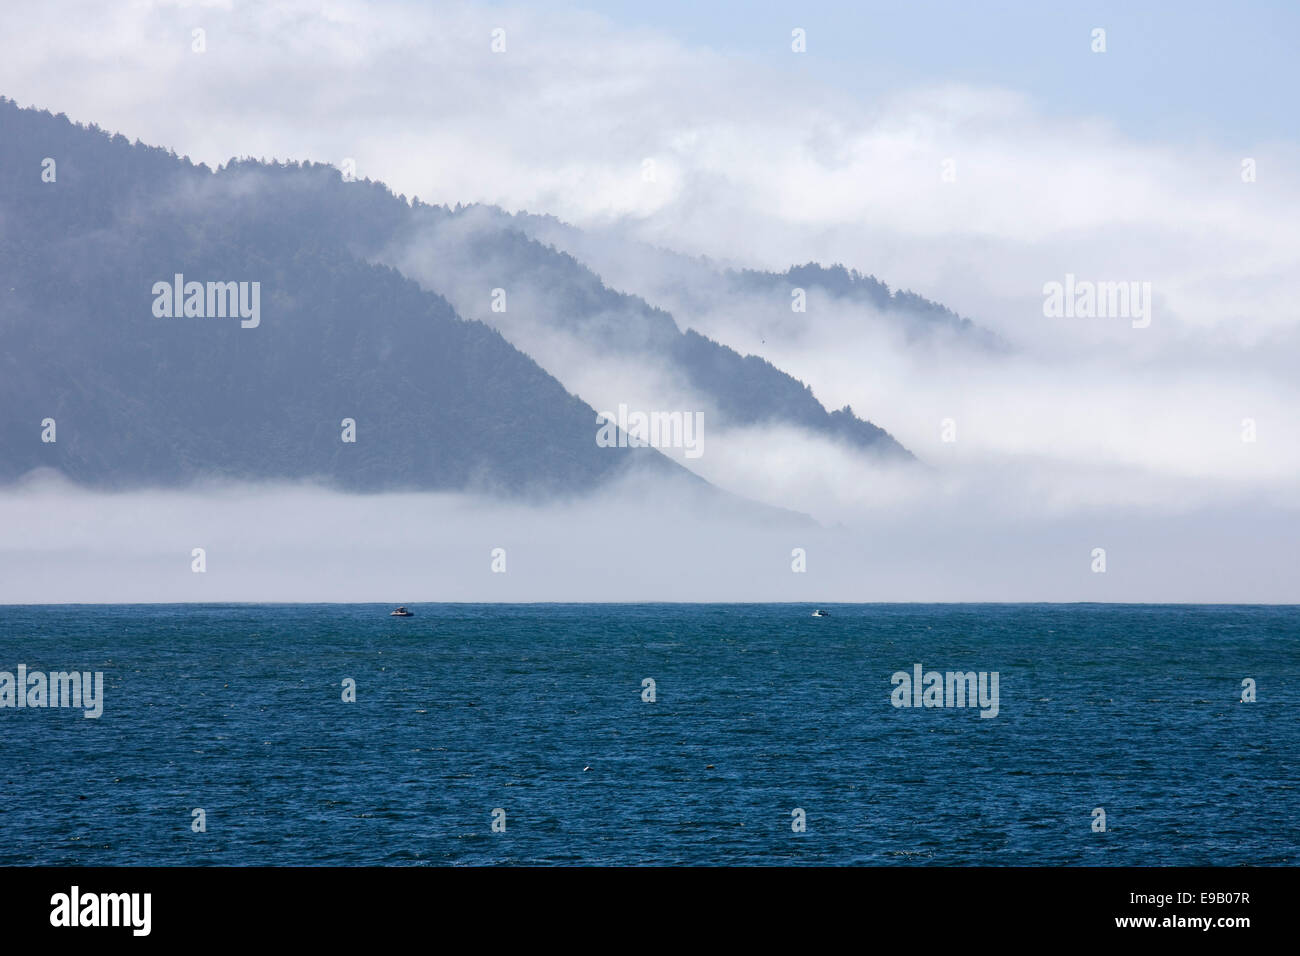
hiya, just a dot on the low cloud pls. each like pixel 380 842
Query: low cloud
pixel 633 543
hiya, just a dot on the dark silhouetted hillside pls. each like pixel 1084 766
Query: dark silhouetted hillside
pixel 439 402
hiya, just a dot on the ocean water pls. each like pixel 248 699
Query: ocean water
pixel 760 710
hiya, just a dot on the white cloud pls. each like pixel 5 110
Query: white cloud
pixel 752 163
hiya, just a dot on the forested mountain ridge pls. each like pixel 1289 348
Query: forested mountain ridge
pixel 915 315
pixel 95 383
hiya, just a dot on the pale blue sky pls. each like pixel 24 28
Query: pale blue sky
pixel 1186 71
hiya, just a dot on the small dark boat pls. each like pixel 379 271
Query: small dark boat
pixel 821 613
pixel 401 612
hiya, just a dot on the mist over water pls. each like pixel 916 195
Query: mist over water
pixel 1070 429
pixel 635 542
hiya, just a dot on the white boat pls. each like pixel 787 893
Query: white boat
pixel 821 613
pixel 401 612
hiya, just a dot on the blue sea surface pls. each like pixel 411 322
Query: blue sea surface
pixel 760 710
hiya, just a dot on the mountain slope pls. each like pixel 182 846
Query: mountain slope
pixel 438 402
pixel 690 287
pixel 560 312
